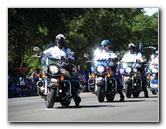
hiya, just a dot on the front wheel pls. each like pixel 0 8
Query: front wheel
pixel 128 90
pixel 100 93
pixel 50 98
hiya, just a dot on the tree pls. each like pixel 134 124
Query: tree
pixel 84 28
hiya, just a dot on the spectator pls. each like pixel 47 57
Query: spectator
pixel 22 70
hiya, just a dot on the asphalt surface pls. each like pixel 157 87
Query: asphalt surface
pixel 33 109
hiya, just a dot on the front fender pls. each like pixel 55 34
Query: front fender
pixel 53 86
pixel 127 81
pixel 100 83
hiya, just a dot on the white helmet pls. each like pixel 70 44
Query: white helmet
pixel 60 37
pixel 131 46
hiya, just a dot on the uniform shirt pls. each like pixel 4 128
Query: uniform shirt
pixel 104 55
pixel 155 61
pixel 131 57
pixel 56 53
pixel 101 55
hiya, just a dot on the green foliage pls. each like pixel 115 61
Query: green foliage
pixel 84 29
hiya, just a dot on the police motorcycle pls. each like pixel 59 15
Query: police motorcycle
pixel 152 70
pixel 152 77
pixel 131 77
pixel 102 81
pixel 54 85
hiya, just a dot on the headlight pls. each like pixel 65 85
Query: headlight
pixel 53 69
pixel 154 70
pixel 134 69
pixel 100 69
pixel 128 70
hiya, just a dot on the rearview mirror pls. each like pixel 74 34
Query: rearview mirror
pixel 86 55
pixel 71 53
pixel 36 49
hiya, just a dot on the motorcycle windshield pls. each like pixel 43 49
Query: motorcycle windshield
pixel 127 64
pixel 100 62
pixel 52 61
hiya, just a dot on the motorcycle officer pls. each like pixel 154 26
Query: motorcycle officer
pixel 60 47
pixel 132 56
pixel 155 60
pixel 105 54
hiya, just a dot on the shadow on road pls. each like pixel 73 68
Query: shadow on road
pixel 111 104
pixel 131 100
pixel 87 106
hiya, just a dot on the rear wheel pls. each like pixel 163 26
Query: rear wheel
pixel 100 93
pixel 65 103
pixel 109 98
pixel 154 92
pixel 136 94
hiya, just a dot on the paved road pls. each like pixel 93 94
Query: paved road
pixel 33 109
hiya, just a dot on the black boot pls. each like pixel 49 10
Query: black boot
pixel 77 101
pixel 121 98
pixel 145 89
pixel 120 90
pixel 76 97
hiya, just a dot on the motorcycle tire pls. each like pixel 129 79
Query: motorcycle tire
pixel 154 92
pixel 50 98
pixel 136 94
pixel 100 93
pixel 110 98
pixel 65 103
pixel 128 90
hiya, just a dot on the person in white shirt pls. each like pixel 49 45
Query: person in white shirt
pixel 59 50
pixel 133 56
pixel 155 60
pixel 105 54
